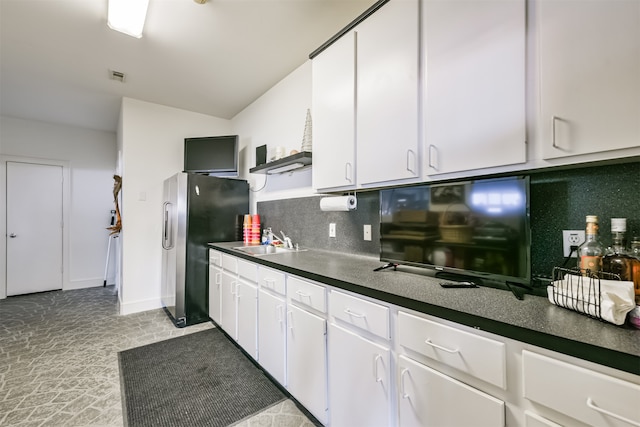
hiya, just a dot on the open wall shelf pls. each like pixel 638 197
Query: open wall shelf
pixel 285 164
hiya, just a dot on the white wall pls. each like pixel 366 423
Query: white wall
pixel 150 149
pixel 147 149
pixel 91 159
pixel 152 141
pixel 276 118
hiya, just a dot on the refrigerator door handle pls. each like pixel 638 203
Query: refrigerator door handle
pixel 166 227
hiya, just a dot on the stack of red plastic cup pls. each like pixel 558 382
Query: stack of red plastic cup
pixel 247 230
pixel 255 230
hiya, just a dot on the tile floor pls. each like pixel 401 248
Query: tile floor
pixel 59 365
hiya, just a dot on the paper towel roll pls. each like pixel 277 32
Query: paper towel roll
pixel 344 203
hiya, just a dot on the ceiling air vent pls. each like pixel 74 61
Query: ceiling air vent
pixel 116 75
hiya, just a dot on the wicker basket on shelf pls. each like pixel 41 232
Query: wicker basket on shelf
pixel 455 233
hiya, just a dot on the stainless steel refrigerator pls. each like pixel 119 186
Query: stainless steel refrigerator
pixel 197 209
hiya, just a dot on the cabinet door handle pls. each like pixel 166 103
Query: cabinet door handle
pixel 411 161
pixel 433 153
pixel 405 395
pixel 302 294
pixel 270 283
pixel 353 314
pixel 591 404
pixel 218 278
pixel 279 313
pixel 439 347
pixel 290 319
pixel 348 172
pixel 375 368
pixel 234 288
pixel 553 131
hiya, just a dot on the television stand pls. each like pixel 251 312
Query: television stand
pixel 453 277
pixel 387 265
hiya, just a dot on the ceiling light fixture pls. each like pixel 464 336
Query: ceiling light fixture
pixel 127 16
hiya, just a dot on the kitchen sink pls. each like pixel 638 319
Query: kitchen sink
pixel 265 250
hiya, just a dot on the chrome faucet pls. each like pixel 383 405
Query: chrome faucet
pixel 286 240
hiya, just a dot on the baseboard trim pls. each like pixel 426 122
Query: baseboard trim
pixel 139 306
pixel 85 283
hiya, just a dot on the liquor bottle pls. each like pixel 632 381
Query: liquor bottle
pixel 635 252
pixel 590 253
pixel 617 260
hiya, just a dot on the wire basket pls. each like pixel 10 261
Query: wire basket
pixel 579 290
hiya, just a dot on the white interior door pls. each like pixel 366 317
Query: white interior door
pixel 34 228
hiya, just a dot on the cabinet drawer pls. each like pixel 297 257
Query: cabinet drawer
pixel 586 395
pixel 230 263
pixel 248 270
pixel 272 280
pixel 307 293
pixel 358 312
pixel 215 257
pixel 480 357
pixel 534 420
pixel 427 397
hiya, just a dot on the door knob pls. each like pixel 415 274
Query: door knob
pixel 12 235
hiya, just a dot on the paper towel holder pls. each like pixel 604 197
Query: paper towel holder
pixel 339 203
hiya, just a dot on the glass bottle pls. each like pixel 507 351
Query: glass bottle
pixel 635 252
pixel 590 252
pixel 617 260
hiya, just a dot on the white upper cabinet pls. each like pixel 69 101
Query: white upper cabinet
pixel 365 98
pixel 589 71
pixel 388 95
pixel 333 106
pixel 474 84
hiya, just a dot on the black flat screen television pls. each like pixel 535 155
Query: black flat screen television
pixel 212 155
pixel 474 230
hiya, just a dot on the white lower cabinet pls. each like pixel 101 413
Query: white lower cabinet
pixel 591 397
pixel 430 398
pixel 359 380
pixel 272 334
pixel 382 365
pixel 307 360
pixel 215 286
pixel 471 354
pixel 531 419
pixel 247 326
pixel 238 293
pixel 228 310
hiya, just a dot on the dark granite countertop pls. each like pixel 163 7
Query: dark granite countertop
pixel 533 320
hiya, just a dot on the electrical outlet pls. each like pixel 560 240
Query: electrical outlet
pixel 571 238
pixel 332 229
pixel 367 232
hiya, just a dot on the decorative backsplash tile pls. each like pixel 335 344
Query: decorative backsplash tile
pixel 307 225
pixel 560 199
